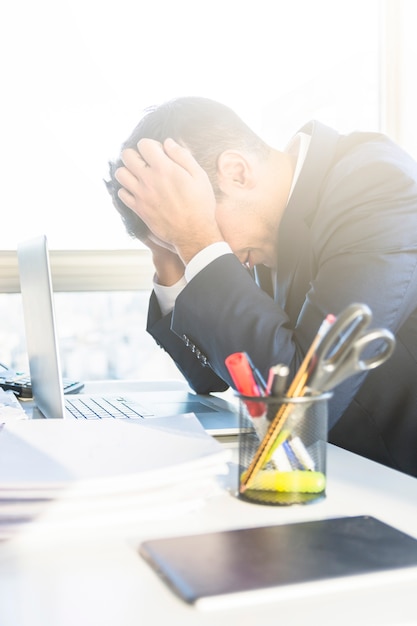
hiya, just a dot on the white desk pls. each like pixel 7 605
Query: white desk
pixel 77 578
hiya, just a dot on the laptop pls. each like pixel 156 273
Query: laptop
pixel 218 416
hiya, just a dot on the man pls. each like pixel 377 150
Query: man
pixel 330 221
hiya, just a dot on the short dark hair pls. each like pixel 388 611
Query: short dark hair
pixel 207 128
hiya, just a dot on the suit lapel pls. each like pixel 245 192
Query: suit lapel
pixel 263 278
pixel 293 271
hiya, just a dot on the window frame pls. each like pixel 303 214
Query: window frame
pixel 86 270
pixel 123 270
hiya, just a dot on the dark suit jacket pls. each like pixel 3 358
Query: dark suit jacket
pixel 348 234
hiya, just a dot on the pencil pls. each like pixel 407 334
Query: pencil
pixel 297 388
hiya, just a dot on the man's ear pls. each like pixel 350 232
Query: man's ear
pixel 234 171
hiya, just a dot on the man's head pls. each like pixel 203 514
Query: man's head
pixel 207 128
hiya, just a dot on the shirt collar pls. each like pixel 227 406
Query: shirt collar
pixel 298 146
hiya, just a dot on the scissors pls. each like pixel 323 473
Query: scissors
pixel 340 353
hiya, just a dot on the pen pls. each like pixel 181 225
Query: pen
pixel 280 460
pixel 277 384
pixel 262 386
pixel 242 373
pixel 301 453
pixel 297 388
pixel 292 457
pixel 277 379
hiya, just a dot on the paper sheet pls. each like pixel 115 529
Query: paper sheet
pixel 10 408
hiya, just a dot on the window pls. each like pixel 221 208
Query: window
pixel 79 74
pixel 76 77
pixel 399 53
pixel 101 336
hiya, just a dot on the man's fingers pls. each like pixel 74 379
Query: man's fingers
pixel 151 154
pixel 127 179
pixel 128 199
pixel 130 189
pixel 182 156
pixel 159 156
pixel 133 162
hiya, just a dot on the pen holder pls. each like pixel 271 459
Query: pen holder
pixel 289 466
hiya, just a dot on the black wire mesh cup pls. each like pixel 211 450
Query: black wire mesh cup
pixel 293 471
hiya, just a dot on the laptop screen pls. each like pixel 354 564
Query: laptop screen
pixel 39 316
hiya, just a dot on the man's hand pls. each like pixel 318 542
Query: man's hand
pixel 168 265
pixel 166 187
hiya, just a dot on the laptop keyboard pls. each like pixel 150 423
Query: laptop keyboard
pixel 101 408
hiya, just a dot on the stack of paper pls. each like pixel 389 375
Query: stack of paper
pixel 10 409
pixel 103 472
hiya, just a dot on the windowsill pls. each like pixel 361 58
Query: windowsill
pixel 86 270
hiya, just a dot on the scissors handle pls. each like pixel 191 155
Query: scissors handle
pixel 331 372
pixel 382 355
pixel 354 362
pixel 349 325
pixel 341 353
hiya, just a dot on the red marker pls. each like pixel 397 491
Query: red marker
pixel 241 372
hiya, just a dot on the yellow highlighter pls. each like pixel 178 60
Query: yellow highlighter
pixel 298 481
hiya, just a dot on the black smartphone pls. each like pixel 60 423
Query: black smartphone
pixel 228 568
pixel 21 386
